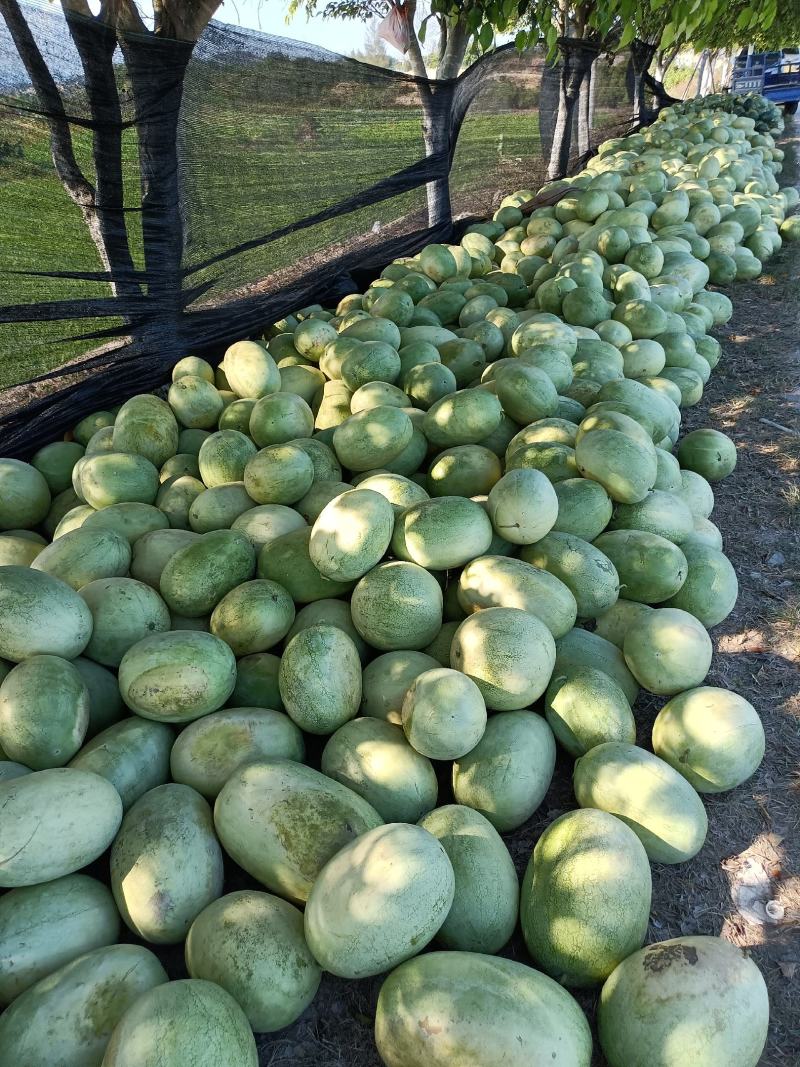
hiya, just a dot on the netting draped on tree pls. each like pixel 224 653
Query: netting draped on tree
pixel 205 191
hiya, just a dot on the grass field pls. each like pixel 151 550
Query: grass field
pixel 239 185
pixel 252 162
pixel 268 137
pixel 41 229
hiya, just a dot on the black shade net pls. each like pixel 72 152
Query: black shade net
pixel 204 193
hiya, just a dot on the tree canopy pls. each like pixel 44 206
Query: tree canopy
pixel 459 25
pixel 612 24
pixel 712 23
pixel 734 27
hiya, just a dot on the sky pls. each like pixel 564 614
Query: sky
pixel 339 35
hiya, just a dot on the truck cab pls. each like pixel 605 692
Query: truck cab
pixel 776 75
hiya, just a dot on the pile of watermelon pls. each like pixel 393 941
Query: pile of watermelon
pixel 298 641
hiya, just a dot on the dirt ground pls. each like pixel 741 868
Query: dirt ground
pixel 745 883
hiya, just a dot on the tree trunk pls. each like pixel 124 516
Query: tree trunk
pixel 435 134
pixel 577 57
pixel 727 69
pixel 562 134
pixel 96 43
pixel 457 38
pixel 548 106
pixel 437 192
pixel 156 67
pixel 701 73
pixel 706 83
pixel 641 58
pixel 664 60
pixel 584 119
pixel 442 21
pixel 639 102
pixel 593 81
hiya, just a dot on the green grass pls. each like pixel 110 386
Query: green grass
pixel 250 175
pixel 269 141
pixel 42 229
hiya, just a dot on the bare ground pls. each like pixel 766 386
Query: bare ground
pixel 745 883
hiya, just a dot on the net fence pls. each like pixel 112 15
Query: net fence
pixel 200 194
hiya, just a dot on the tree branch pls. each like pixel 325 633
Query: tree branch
pixel 183 21
pixel 125 15
pixel 580 17
pixel 442 39
pixel 457 40
pixel 78 7
pixel 414 51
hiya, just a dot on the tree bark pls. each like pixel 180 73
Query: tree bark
pixel 665 59
pixel 156 67
pixel 559 153
pixel 457 38
pixel 701 72
pixel 442 22
pixel 727 68
pixel 548 105
pixel 435 133
pixel 437 142
pixel 96 43
pixel 584 119
pixel 641 58
pixel 185 22
pixel 706 83
pixel 577 57
pixel 595 72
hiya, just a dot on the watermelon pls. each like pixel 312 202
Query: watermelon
pixel 703 986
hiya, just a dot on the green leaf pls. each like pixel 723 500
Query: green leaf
pixel 486 36
pixel 628 34
pixel 668 36
pixel 521 40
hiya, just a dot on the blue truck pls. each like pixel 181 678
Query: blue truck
pixel 776 75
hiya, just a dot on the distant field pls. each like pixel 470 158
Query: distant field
pixel 245 178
